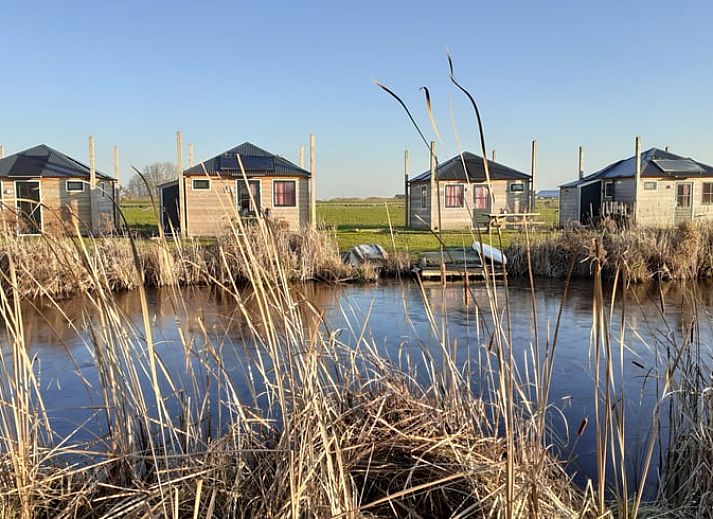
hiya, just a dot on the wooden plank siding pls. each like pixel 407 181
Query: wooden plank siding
pixel 569 205
pixel 209 211
pixel 457 218
pixel 62 210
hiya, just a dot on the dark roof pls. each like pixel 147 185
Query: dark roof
pixel 256 162
pixel 655 163
pixel 452 169
pixel 44 162
pixel 548 193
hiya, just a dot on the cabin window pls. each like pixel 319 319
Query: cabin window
pixel 201 184
pixel 651 186
pixel 608 189
pixel 75 186
pixel 424 197
pixel 517 187
pixel 481 197
pixel 454 195
pixel 284 193
pixel 683 195
pixel 707 193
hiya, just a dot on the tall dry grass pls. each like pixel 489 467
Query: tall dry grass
pixel 684 252
pixel 61 266
pixel 314 427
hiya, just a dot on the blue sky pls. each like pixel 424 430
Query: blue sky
pixel 565 73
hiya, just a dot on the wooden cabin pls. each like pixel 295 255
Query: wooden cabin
pixel 216 191
pixel 44 190
pixel 671 189
pixel 464 200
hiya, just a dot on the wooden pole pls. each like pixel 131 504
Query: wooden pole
pixel 435 209
pixel 190 155
pixel 581 162
pixel 2 151
pixel 637 180
pixel 666 150
pixel 92 188
pixel 117 187
pixel 302 156
pixel 312 182
pixel 407 200
pixel 533 169
pixel 182 210
pixel 494 155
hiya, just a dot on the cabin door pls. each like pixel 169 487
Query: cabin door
pixel 590 208
pixel 249 205
pixel 684 202
pixel 170 209
pixel 481 205
pixel 29 210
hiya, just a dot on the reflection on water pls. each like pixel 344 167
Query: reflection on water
pixel 396 321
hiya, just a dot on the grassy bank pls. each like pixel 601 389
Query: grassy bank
pixel 353 221
pixel 680 253
pixel 62 266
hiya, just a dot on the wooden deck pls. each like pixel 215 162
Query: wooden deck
pixel 453 272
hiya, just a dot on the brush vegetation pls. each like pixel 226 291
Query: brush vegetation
pixel 684 252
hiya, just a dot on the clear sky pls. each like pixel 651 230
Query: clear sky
pixel 563 72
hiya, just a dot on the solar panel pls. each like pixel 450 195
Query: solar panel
pixel 250 163
pixel 256 163
pixel 678 166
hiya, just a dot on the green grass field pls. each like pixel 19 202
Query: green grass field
pixel 356 221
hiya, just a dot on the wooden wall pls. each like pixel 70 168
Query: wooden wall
pixel 63 211
pixel 455 218
pixel 420 216
pixel 569 205
pixel 210 211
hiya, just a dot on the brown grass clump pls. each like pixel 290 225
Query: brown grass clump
pixel 640 254
pixel 58 266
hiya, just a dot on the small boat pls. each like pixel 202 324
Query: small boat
pixel 365 253
pixel 459 262
pixel 489 254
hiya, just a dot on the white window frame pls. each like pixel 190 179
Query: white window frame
pixel 194 188
pixel 80 182
pixel 649 182
pixel 517 183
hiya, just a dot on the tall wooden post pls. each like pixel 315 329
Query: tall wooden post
pixel 637 180
pixel 117 188
pixel 302 156
pixel 312 183
pixel 92 188
pixel 435 209
pixel 494 155
pixel 182 210
pixel 581 162
pixel 666 149
pixel 190 156
pixel 407 195
pixel 533 169
pixel 2 151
